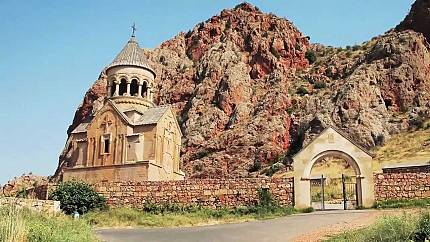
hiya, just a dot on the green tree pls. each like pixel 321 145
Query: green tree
pixel 78 196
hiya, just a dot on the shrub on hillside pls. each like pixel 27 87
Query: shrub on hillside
pixel 356 47
pixel 274 168
pixel 256 166
pixel 78 196
pixel 320 85
pixel 22 193
pixel 311 56
pixel 275 52
pixel 302 90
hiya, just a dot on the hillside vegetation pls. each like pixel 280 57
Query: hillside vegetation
pixel 404 149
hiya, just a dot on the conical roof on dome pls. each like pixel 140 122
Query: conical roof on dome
pixel 131 55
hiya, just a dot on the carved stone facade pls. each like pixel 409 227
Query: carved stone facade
pixel 129 138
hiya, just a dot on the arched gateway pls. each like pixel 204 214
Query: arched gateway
pixel 332 142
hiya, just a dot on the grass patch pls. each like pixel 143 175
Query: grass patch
pixel 386 229
pixel 186 216
pixel 403 203
pixel 173 215
pixel 391 229
pixel 25 225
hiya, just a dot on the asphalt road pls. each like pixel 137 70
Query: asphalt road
pixel 281 229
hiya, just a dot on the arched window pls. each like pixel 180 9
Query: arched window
pixel 144 89
pixel 122 87
pixel 112 88
pixel 134 88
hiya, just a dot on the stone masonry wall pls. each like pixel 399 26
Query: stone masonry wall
pixel 48 206
pixel 409 185
pixel 206 192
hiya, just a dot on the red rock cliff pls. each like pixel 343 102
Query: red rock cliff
pixel 246 94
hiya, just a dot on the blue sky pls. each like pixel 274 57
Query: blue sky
pixel 52 51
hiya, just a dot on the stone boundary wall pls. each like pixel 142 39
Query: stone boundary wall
pixel 48 206
pixel 204 192
pixel 408 185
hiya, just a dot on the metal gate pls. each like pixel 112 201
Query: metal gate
pixel 350 192
pixel 317 193
pixel 334 193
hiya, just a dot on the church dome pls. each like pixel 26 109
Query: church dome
pixel 131 55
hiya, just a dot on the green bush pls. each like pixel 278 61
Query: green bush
pixel 356 47
pixel 265 198
pixel 311 56
pixel 22 193
pixel 78 196
pixel 320 85
pixel 256 166
pixel 302 90
pixel 228 24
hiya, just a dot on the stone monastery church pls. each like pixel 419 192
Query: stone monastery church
pixel 129 138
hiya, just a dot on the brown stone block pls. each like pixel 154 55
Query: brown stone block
pixel 159 194
pixel 426 193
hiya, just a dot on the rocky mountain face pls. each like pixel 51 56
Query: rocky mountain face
pixel 250 90
pixel 418 18
pixel 19 186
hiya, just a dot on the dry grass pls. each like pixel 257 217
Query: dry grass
pixel 12 226
pixel 23 225
pixel 406 227
pixel 129 217
pixel 405 148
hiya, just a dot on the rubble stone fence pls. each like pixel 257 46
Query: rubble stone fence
pixel 47 206
pixel 204 192
pixel 393 183
pixel 402 184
